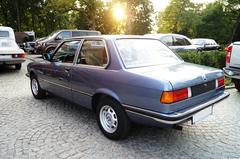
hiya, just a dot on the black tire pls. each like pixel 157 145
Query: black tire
pixel 18 66
pixel 237 84
pixel 40 93
pixel 123 123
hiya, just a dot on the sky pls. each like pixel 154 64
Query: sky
pixel 160 5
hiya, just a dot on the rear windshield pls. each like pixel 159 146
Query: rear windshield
pixel 4 34
pixel 145 52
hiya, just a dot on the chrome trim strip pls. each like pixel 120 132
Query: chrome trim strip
pixel 66 87
pixel 177 115
pixel 87 94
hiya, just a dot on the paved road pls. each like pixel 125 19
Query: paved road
pixel 54 128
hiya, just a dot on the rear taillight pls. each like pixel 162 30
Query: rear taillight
pixel 220 82
pixel 18 55
pixel 169 97
pixel 229 52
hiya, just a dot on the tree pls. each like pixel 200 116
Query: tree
pixel 215 23
pixel 181 16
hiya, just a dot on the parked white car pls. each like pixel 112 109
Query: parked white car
pixel 10 53
pixel 206 44
pixel 176 42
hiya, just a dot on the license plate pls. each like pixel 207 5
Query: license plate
pixel 5 56
pixel 202 114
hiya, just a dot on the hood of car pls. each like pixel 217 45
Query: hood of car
pixel 180 75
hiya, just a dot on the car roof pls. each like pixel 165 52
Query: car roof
pixel 4 28
pixel 164 34
pixel 112 37
pixel 77 30
pixel 202 39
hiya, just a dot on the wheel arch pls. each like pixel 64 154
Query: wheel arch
pixel 103 93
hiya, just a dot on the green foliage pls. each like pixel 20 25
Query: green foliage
pixel 208 58
pixel 181 16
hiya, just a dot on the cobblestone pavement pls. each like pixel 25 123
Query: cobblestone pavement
pixel 54 128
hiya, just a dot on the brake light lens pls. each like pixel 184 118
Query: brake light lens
pixel 18 55
pixel 220 82
pixel 169 97
pixel 229 53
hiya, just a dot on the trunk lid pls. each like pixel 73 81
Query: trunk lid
pixel 180 75
pixel 9 46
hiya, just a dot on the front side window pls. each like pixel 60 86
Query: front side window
pixel 145 52
pixel 4 34
pixel 93 53
pixel 168 40
pixel 66 52
pixel 64 35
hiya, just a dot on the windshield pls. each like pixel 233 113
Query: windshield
pixel 4 34
pixel 145 52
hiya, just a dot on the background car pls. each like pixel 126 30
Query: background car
pixel 232 69
pixel 128 79
pixel 10 53
pixel 48 44
pixel 206 44
pixel 176 42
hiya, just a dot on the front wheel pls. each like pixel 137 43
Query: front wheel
pixel 237 84
pixel 37 91
pixel 112 119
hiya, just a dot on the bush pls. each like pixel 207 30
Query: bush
pixel 208 58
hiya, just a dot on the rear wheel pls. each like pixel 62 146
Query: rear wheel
pixel 112 119
pixel 237 84
pixel 18 66
pixel 37 91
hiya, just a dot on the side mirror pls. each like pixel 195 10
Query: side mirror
pixel 47 56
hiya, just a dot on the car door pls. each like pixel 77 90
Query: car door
pixel 88 72
pixel 61 65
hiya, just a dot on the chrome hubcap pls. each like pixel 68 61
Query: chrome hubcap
pixel 108 119
pixel 34 86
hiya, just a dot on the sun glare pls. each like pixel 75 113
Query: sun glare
pixel 118 12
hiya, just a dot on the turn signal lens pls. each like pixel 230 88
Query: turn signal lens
pixel 169 97
pixel 220 82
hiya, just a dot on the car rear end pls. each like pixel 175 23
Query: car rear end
pixel 169 90
pixel 10 53
pixel 232 69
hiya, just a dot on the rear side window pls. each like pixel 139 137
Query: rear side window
pixel 93 53
pixel 187 42
pixel 168 40
pixel 4 34
pixel 178 41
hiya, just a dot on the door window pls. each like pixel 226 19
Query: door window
pixel 179 41
pixel 93 53
pixel 66 52
pixel 64 35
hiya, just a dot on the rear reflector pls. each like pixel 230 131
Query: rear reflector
pixel 220 82
pixel 169 97
pixel 18 55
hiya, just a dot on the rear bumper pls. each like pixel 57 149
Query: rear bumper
pixel 232 72
pixel 11 61
pixel 174 118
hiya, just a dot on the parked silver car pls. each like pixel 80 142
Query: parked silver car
pixel 206 44
pixel 176 42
